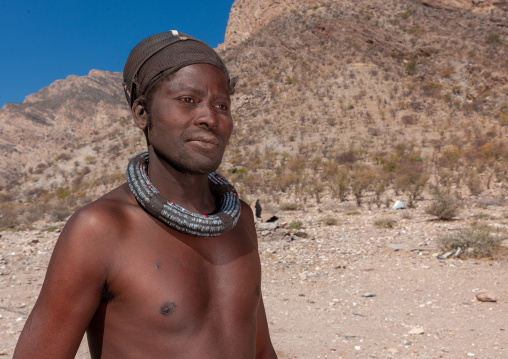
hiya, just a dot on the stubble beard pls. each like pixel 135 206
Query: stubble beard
pixel 189 165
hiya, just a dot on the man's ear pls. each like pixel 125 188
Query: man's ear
pixel 140 114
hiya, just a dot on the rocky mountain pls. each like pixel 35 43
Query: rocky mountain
pixel 59 115
pixel 322 86
pixel 364 76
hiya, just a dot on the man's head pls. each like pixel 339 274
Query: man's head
pixel 179 92
pixel 158 56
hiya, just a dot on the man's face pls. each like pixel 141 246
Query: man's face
pixel 191 119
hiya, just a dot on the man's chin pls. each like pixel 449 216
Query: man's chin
pixel 194 164
pixel 198 168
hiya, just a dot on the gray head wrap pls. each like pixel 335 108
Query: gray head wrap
pixel 162 54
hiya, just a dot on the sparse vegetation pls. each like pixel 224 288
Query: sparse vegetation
pixel 385 223
pixel 444 206
pixel 352 124
pixel 302 234
pixel 296 225
pixel 288 206
pixel 476 242
pixel 329 221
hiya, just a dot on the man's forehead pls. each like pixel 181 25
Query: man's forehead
pixel 197 78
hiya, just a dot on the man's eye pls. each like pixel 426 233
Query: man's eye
pixel 222 107
pixel 186 99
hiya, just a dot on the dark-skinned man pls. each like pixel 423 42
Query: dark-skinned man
pixel 166 265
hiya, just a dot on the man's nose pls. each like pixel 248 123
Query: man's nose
pixel 207 116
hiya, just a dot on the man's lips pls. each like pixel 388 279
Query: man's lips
pixel 210 140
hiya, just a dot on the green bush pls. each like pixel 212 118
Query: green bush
pixel 296 225
pixel 62 192
pixel 476 242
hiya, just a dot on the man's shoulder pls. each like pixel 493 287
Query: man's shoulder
pixel 110 213
pixel 246 211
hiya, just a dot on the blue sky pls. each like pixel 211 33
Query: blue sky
pixel 46 40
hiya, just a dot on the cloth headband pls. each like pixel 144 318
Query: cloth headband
pixel 162 54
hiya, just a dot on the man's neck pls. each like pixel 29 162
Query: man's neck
pixel 189 191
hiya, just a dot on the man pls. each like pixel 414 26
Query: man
pixel 166 265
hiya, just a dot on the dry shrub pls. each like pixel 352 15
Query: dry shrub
pixel 296 164
pixel 283 182
pixel 37 192
pixel 409 119
pixel 346 157
pixel 411 178
pixel 446 177
pixel 385 223
pixel 302 234
pixel 448 71
pixel 373 131
pixel 296 225
pixel 444 206
pixel 288 206
pixel 432 89
pixel 252 182
pixel 6 197
pixel 63 157
pixel 330 170
pixel 59 215
pixel 476 242
pixel 473 183
pixel 450 156
pixel 339 184
pixel 316 189
pixel 379 186
pixel 362 178
pixel 329 221
pixel 9 218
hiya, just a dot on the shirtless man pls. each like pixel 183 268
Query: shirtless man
pixel 141 274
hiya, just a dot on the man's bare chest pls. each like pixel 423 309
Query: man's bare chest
pixel 175 283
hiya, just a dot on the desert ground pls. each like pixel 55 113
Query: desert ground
pixel 349 290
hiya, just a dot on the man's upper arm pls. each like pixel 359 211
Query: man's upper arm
pixel 264 347
pixel 71 291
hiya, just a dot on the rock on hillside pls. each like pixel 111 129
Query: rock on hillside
pixel 31 132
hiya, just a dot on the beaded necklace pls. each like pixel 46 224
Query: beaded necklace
pixel 176 217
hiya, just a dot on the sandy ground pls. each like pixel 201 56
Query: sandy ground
pixel 343 292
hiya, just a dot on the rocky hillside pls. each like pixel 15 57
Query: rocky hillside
pixel 248 17
pixel 373 89
pixel 340 82
pixel 48 121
